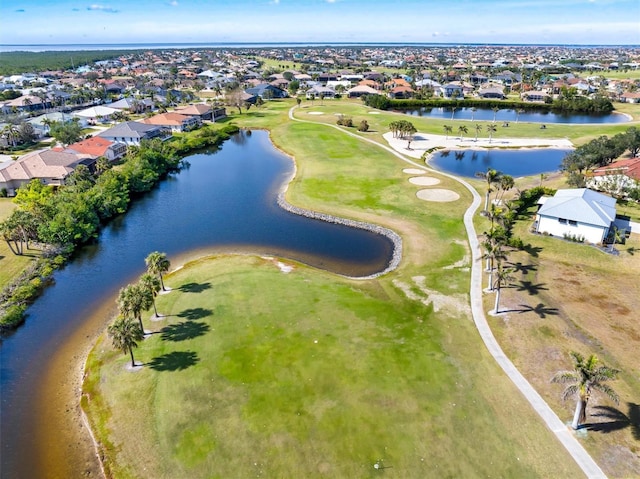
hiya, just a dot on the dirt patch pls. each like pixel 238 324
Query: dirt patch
pixel 453 304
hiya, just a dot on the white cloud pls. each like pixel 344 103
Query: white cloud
pixel 173 3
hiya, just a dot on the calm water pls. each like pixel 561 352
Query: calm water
pixel 512 162
pixel 222 200
pixel 511 116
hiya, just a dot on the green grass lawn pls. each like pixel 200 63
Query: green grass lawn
pixel 304 374
pixel 10 264
pixel 255 372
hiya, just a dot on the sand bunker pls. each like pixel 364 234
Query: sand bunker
pixel 374 113
pixel 424 180
pixel 315 113
pixel 414 171
pixel 438 194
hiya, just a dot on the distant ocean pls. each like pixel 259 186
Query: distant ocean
pixel 167 46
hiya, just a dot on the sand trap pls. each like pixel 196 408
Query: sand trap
pixel 315 113
pixel 424 180
pixel 438 194
pixel 414 171
pixel 374 113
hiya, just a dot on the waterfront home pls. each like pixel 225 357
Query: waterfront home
pixel 96 114
pixel 175 121
pixel 133 132
pixel 580 214
pixel 97 146
pixel 49 166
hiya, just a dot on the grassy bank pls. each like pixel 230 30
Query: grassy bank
pixel 11 265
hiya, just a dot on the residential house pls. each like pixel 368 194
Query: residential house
pixel 267 91
pixel 97 146
pixel 577 213
pixel 537 96
pixel 318 90
pixel 96 114
pixel 133 132
pixel 616 177
pixel 49 166
pixel 492 91
pixel 361 90
pixel 202 111
pixel 175 121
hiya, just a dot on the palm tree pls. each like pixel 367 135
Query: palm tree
pixel 491 176
pixel 453 111
pixel 132 300
pixel 125 334
pixel 478 130
pixel 151 284
pixel 586 376
pixel 502 275
pixel 447 129
pixel 157 263
pixel 518 111
pixel 505 183
pixel 491 128
pixel 462 129
pixel 473 112
pixel 493 254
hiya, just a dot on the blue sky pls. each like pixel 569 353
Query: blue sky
pixel 443 21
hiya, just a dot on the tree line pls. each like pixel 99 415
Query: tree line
pixel 60 220
pixel 597 105
pixel 597 153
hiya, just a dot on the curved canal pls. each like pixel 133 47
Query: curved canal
pixel 222 201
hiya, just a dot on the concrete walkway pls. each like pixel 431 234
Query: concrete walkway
pixel 563 432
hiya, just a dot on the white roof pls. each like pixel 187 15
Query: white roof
pixel 96 111
pixel 582 205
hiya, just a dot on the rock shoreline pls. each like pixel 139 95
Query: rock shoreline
pixel 377 229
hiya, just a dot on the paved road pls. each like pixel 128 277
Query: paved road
pixel 564 433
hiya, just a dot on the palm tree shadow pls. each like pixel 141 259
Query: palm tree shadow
pixel 533 250
pixel 183 331
pixel 175 361
pixel 618 420
pixel 529 287
pixel 540 309
pixel 195 313
pixel 523 268
pixel 194 287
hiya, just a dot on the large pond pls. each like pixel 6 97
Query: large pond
pixel 516 163
pixel 224 200
pixel 511 116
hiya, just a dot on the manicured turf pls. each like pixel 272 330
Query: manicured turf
pixel 257 372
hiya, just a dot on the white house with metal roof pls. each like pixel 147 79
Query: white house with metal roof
pixel 577 213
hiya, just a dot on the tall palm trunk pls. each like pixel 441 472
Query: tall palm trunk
pixel 133 362
pixel 580 414
pixel 497 305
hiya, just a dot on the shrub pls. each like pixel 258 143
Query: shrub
pixel 363 126
pixel 12 317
